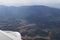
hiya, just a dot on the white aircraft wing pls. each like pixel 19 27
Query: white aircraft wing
pixel 10 35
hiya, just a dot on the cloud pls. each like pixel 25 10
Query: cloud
pixel 27 2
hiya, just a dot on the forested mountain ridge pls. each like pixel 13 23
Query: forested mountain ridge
pixel 35 20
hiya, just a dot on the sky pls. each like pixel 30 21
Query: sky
pixel 28 2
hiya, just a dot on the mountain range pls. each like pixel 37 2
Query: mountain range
pixel 31 20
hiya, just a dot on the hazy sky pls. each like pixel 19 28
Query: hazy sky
pixel 28 2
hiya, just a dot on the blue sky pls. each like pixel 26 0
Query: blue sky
pixel 28 2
